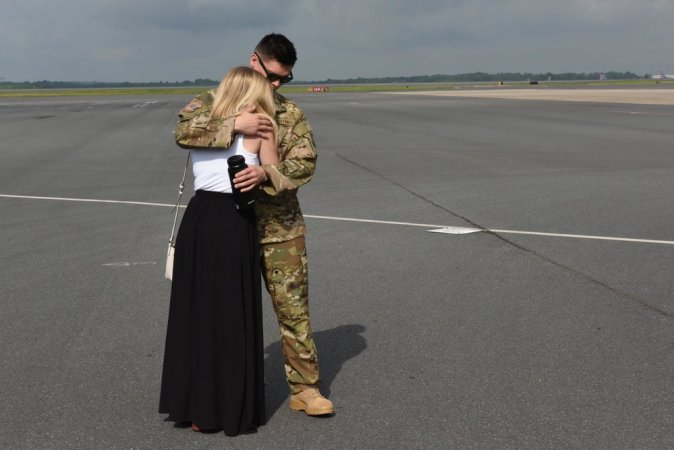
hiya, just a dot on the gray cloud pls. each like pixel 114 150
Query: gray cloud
pixel 150 40
pixel 193 16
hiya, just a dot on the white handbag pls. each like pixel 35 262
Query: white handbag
pixel 168 273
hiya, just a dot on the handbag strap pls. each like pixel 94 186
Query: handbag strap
pixel 181 189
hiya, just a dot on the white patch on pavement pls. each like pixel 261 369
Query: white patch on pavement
pixel 455 230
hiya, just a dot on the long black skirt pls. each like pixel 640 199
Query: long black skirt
pixel 213 359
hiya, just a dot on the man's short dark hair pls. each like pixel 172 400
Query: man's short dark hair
pixel 277 46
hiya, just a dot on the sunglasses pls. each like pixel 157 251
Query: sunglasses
pixel 271 76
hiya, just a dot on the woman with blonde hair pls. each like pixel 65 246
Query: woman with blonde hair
pixel 213 360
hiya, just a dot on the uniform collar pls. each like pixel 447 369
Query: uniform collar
pixel 279 100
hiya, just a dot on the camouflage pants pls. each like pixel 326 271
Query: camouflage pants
pixel 286 278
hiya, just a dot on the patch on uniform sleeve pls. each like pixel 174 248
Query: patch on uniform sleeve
pixel 192 106
pixel 302 128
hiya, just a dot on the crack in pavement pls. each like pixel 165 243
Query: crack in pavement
pixel 631 297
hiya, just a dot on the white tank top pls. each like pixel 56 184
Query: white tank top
pixel 210 166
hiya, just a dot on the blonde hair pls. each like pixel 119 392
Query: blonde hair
pixel 240 88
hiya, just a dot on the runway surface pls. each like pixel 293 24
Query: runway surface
pixel 663 95
pixel 552 327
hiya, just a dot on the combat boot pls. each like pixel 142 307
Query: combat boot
pixel 311 402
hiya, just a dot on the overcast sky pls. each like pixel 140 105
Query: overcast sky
pixel 176 40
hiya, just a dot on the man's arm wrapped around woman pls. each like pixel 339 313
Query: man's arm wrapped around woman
pixel 297 150
pixel 196 128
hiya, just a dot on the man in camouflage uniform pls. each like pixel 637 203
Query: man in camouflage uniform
pixel 280 223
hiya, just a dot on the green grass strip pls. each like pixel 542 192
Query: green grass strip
pixel 331 88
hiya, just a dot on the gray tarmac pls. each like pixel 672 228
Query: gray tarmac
pixel 489 340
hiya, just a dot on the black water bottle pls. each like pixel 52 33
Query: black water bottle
pixel 243 200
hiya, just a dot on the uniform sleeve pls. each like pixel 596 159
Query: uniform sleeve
pixel 299 160
pixel 196 129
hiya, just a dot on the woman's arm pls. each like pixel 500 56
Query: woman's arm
pixel 268 149
pixel 252 176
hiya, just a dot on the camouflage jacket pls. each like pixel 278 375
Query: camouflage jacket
pixel 279 216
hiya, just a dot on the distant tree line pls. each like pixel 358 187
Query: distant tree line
pixel 482 76
pixel 464 77
pixel 45 84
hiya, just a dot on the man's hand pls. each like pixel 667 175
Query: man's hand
pixel 251 124
pixel 250 177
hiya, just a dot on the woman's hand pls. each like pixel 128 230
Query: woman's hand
pixel 250 177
